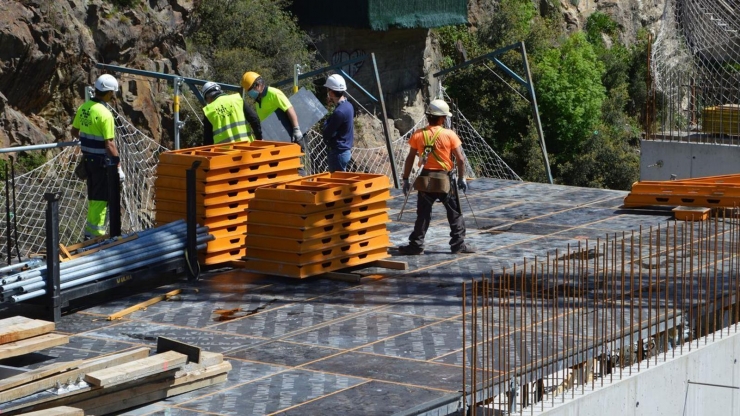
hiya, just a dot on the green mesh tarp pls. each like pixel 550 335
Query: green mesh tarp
pixel 381 14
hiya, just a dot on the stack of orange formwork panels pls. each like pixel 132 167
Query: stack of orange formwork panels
pixel 318 224
pixel 225 183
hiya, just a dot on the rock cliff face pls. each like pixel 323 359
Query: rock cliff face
pixel 50 48
pixel 49 53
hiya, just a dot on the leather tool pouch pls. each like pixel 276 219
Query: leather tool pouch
pixel 437 182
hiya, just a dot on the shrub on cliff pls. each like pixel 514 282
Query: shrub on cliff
pixel 249 35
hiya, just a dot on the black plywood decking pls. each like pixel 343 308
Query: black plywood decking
pixel 382 346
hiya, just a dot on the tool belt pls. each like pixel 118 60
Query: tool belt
pixel 433 181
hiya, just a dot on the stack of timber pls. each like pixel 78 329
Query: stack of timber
pixel 709 191
pixel 110 383
pixel 20 335
pixel 721 119
pixel 225 182
pixel 318 224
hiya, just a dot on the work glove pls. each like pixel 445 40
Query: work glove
pixel 462 185
pixel 297 135
pixel 121 175
pixel 406 187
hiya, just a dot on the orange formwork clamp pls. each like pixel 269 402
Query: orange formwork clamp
pixel 234 172
pixel 324 187
pixel 318 219
pixel 231 154
pixel 300 272
pixel 319 232
pixel 321 255
pixel 289 245
pixel 228 231
pixel 226 185
pixel 240 218
pixel 713 191
pixel 203 211
pixel 220 257
pixel 260 204
pixel 225 244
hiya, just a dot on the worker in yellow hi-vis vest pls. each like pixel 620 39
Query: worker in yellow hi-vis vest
pixel 226 117
pixel 94 124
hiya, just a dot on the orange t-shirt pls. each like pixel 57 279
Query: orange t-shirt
pixel 447 140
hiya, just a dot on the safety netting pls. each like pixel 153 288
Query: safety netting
pixel 695 68
pixel 139 156
pixel 26 228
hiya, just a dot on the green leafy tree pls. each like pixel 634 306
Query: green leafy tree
pixel 570 94
pixel 249 35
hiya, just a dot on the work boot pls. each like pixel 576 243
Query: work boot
pixel 410 250
pixel 463 249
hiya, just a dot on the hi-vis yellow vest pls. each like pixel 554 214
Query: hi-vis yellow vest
pixel 226 114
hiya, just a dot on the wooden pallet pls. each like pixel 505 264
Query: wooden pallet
pixel 113 382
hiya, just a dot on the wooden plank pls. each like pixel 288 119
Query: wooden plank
pixel 389 264
pixel 121 394
pixel 36 374
pixel 207 359
pixel 143 305
pixel 57 411
pixel 136 369
pixel 25 346
pixel 23 328
pixel 191 351
pixel 93 364
pixel 153 391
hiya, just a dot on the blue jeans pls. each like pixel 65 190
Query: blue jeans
pixel 338 160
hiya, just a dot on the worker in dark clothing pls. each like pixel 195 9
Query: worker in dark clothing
pixel 436 146
pixel 226 117
pixel 94 124
pixel 339 130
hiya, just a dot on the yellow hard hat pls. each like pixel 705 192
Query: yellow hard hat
pixel 248 79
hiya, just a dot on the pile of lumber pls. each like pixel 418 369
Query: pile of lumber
pixel 20 335
pixel 113 382
pixel 225 182
pixel 318 224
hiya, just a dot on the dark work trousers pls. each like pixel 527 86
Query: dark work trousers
pixel 424 203
pixel 97 178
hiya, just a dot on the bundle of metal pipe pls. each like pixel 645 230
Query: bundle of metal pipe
pixel 151 246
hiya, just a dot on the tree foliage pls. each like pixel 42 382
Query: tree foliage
pixel 590 90
pixel 249 35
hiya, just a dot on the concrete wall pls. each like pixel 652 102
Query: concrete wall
pixel 662 389
pixel 406 58
pixel 686 160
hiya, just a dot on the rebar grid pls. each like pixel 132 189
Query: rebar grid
pixel 545 329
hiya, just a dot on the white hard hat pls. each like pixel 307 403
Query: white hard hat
pixel 210 87
pixel 336 83
pixel 439 108
pixel 106 82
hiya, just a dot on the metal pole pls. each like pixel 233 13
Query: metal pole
pixel 176 109
pixel 8 231
pixel 53 283
pixel 535 110
pixel 296 72
pixel 114 200
pixel 37 147
pixel 387 133
pixel 190 247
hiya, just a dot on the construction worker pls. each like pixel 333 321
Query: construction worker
pixel 94 125
pixel 226 117
pixel 436 145
pixel 339 130
pixel 270 99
